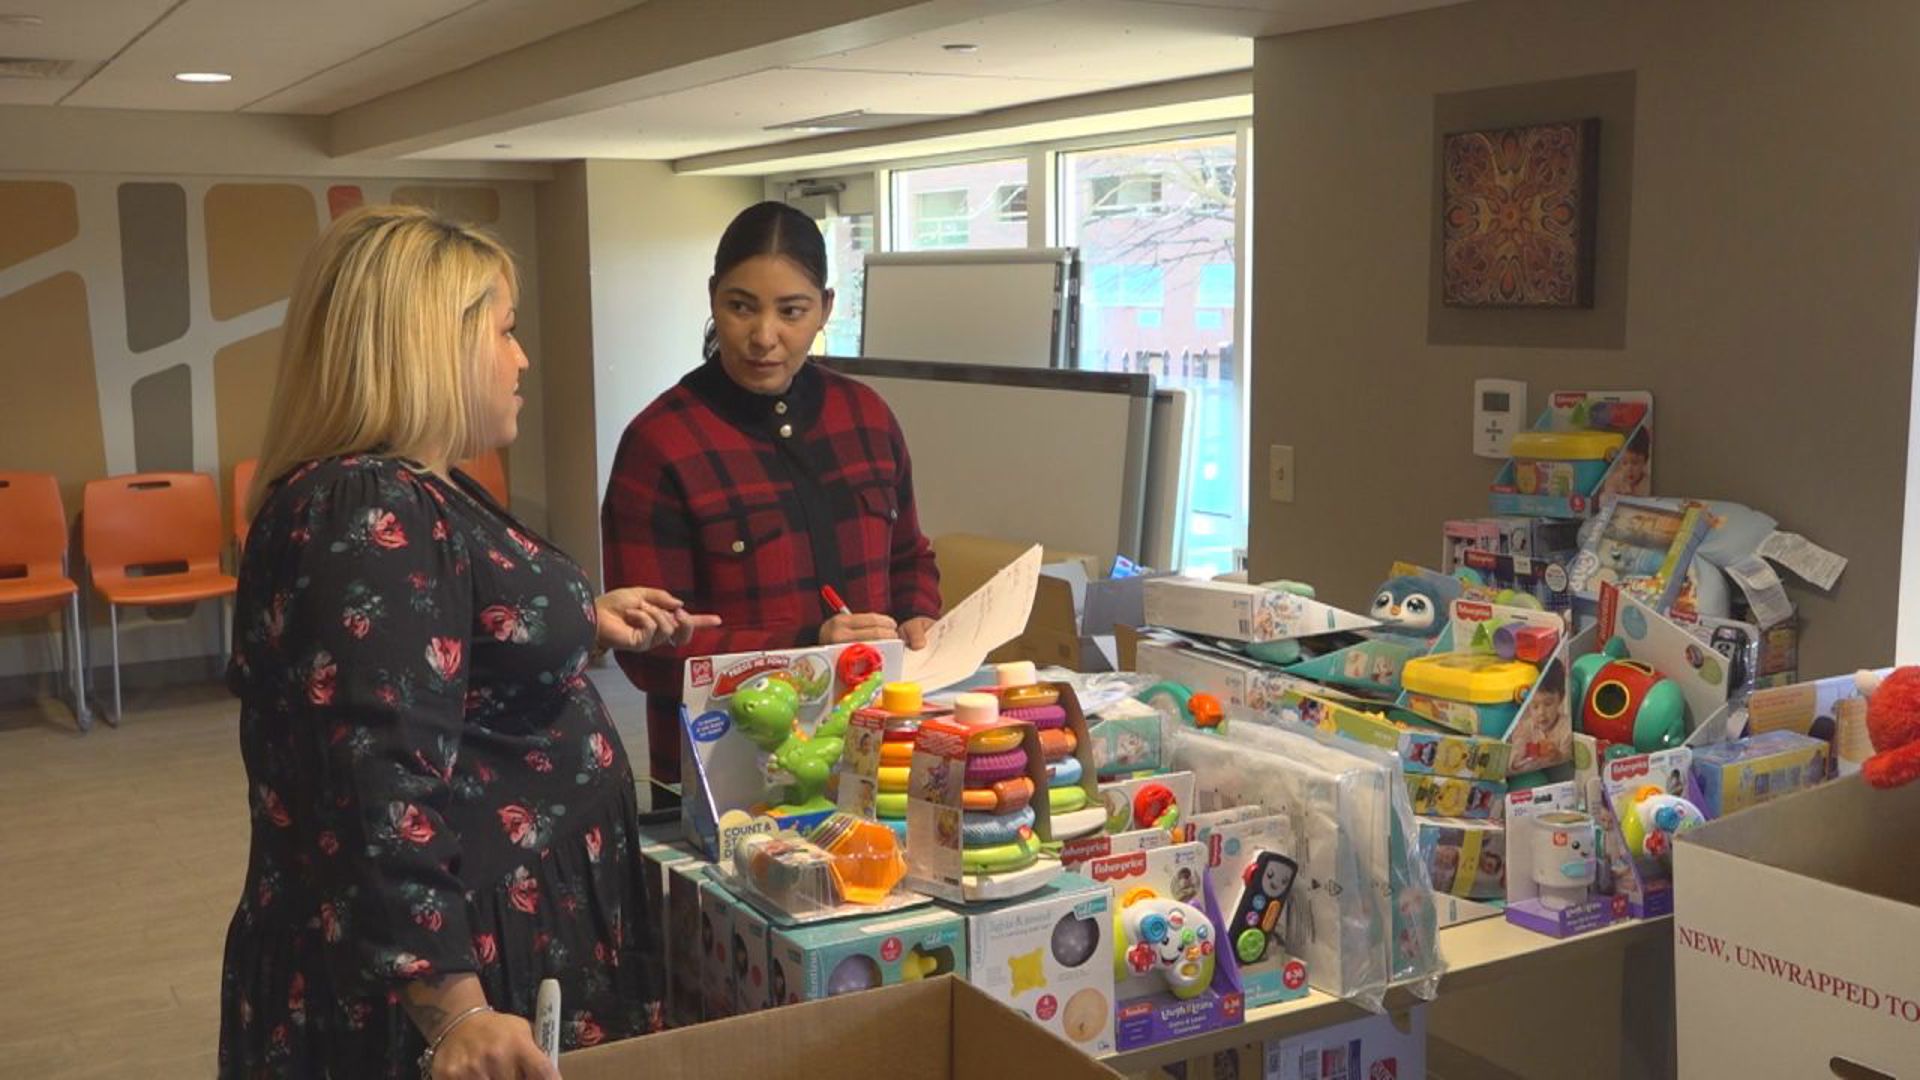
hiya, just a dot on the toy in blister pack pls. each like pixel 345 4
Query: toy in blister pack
pixel 1585 446
pixel 1556 878
pixel 1625 704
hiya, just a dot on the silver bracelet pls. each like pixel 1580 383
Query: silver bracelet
pixel 426 1059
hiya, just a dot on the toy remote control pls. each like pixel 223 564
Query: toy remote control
pixel 1256 919
pixel 1168 936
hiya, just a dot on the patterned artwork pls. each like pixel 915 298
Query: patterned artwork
pixel 143 326
pixel 1517 216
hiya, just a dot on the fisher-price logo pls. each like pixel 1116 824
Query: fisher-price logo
pixel 1626 768
pixel 1125 866
pixel 1384 1069
pixel 1473 611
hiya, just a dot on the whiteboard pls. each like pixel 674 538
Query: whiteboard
pixel 1017 307
pixel 1051 457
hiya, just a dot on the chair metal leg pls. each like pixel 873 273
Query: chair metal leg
pixel 113 624
pixel 77 663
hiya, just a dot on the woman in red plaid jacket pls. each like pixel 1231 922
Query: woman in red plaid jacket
pixel 760 478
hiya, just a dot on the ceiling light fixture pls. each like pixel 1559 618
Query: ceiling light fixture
pixel 961 47
pixel 202 77
pixel 503 146
pixel 14 19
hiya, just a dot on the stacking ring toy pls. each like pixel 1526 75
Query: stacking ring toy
pixel 992 830
pixel 1002 797
pixel 1058 743
pixel 1001 857
pixel 1024 697
pixel 857 662
pixel 896 753
pixel 1063 772
pixel 1065 800
pixel 1040 716
pixel 995 740
pixel 891 804
pixel 894 777
pixel 986 768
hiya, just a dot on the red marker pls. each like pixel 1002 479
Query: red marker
pixel 833 600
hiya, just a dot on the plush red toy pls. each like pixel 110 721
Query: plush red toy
pixel 1893 723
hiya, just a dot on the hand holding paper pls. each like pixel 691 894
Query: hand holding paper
pixel 995 614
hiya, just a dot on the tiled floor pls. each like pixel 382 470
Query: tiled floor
pixel 121 856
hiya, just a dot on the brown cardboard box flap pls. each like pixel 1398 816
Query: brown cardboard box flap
pixel 941 1029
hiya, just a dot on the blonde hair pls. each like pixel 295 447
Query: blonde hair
pixel 380 345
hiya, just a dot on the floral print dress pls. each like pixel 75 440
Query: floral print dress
pixel 435 785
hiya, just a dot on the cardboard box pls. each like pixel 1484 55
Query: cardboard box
pixel 1049 956
pixel 942 1029
pixel 748 949
pixel 807 963
pixel 1388 1047
pixel 1630 473
pixel 1241 612
pixel 677 929
pixel 1236 683
pixel 966 562
pixel 1794 936
pixel 1465 858
pixel 716 950
pixel 1178 917
pixel 1747 772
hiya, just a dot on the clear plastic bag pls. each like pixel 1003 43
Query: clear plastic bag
pixel 1363 914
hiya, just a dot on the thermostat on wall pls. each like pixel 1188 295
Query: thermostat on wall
pixel 1499 410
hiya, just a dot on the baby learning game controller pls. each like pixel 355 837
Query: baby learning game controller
pixel 1256 919
pixel 1168 936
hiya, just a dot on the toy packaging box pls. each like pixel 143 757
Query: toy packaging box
pixel 1554 862
pixel 1422 748
pixel 1451 796
pixel 1124 745
pixel 1641 869
pixel 1049 955
pixel 1390 1046
pixel 1370 665
pixel 1240 612
pixel 724 771
pixel 936 850
pixel 1641 547
pixel 1237 682
pixel 1465 858
pixel 1146 802
pixel 807 963
pixel 1830 709
pixel 1075 854
pixel 1703 675
pixel 1756 658
pixel 1533 720
pixel 1759 768
pixel 1251 867
pixel 716 950
pixel 657 860
pixel 1526 489
pixel 687 946
pixel 1173 975
pixel 1526 537
pixel 1546 577
pixel 747 951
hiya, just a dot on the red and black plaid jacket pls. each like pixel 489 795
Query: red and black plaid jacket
pixel 743 505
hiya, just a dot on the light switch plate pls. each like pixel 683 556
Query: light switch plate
pixel 1499 410
pixel 1280 473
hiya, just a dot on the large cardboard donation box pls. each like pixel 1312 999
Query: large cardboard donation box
pixel 940 1029
pixel 1796 936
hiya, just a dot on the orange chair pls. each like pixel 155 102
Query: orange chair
pixel 243 471
pixel 489 472
pixel 138 531
pixel 34 577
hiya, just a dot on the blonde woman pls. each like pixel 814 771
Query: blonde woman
pixel 442 813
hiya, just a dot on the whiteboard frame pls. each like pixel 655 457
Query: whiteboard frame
pixel 1064 346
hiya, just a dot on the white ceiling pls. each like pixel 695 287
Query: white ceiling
pixel 286 56
pixel 321 56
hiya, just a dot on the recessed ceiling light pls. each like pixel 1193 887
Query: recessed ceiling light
pixel 202 77
pixel 503 146
pixel 13 19
pixel 961 47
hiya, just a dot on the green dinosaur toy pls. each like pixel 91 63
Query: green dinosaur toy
pixel 765 712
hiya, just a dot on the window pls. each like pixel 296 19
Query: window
pixel 977 205
pixel 1117 196
pixel 849 238
pixel 1010 202
pixel 940 219
pixel 1155 225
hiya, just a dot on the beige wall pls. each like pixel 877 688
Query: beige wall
pixel 1770 283
pixel 626 323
